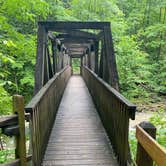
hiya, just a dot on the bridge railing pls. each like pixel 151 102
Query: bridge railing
pixel 115 112
pixel 42 109
pixel 14 125
pixel 148 149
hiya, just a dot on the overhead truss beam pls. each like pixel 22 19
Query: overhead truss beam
pixel 56 25
pixel 76 34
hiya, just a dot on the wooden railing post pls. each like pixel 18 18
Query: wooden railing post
pixel 71 66
pixel 18 108
pixel 96 57
pixel 142 157
pixel 81 65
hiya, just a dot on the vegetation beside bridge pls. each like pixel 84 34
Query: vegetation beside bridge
pixel 138 34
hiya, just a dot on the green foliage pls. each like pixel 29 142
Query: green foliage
pixel 138 33
pixel 17 47
pixel 5 101
pixel 76 65
pixel 133 144
pixel 6 155
pixel 59 10
pixel 153 42
pixel 95 10
pixel 159 120
pixel 132 67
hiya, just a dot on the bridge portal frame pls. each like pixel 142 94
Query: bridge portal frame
pixel 47 64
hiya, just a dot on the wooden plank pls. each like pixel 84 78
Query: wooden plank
pixel 142 157
pixel 131 107
pixel 153 148
pixel 74 36
pixel 76 52
pixel 78 151
pixel 18 108
pixel 76 40
pixel 60 60
pixel 11 130
pixel 45 70
pixel 76 55
pixel 8 120
pixel 76 49
pixel 17 161
pixel 36 99
pixel 84 157
pixel 78 136
pixel 101 62
pixel 110 58
pixel 72 46
pixel 50 66
pixel 78 162
pixel 54 58
pixel 106 75
pixel 76 33
pixel 96 57
pixel 66 37
pixel 115 114
pixel 89 57
pixel 68 25
pixel 41 37
pixel 75 44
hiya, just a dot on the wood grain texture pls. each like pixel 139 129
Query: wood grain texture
pixel 142 157
pixel 154 149
pixel 7 120
pixel 18 108
pixel 110 58
pixel 41 37
pixel 115 112
pixel 43 108
pixel 68 25
pixel 78 137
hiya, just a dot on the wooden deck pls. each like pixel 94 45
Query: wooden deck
pixel 78 136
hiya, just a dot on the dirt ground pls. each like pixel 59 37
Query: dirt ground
pixel 146 109
pixel 139 117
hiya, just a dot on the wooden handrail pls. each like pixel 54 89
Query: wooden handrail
pixel 37 98
pixel 17 161
pixel 115 112
pixel 43 108
pixel 130 106
pixel 9 120
pixel 14 125
pixel 152 147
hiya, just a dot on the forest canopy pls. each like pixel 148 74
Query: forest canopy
pixel 139 35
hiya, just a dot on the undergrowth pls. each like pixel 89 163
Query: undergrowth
pixel 159 121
